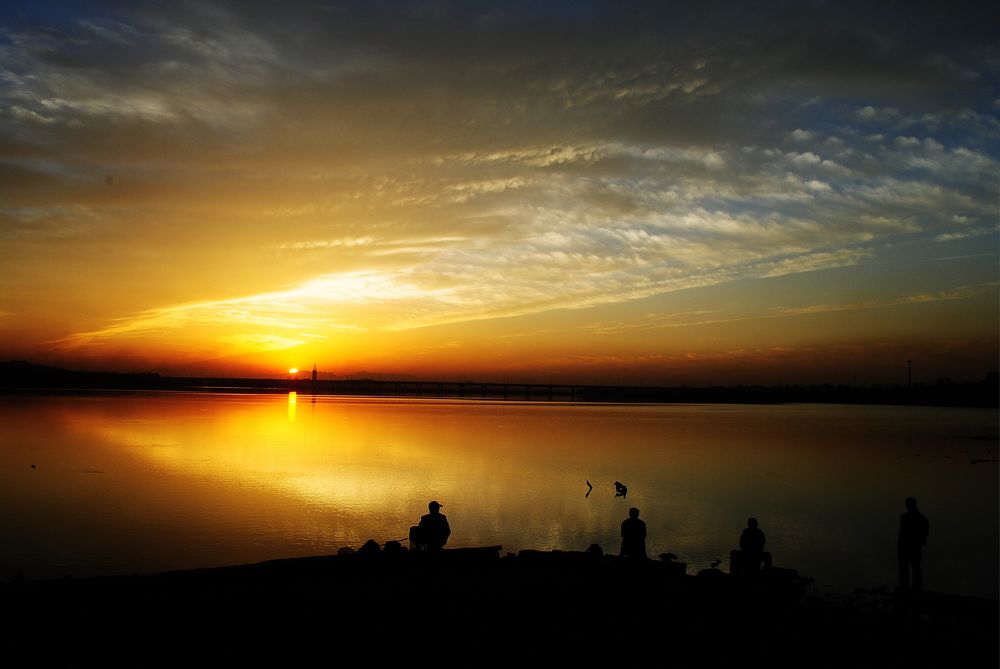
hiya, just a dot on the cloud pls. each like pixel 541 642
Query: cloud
pixel 959 293
pixel 870 113
pixel 259 342
pixel 406 165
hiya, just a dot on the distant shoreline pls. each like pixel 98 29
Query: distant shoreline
pixel 19 376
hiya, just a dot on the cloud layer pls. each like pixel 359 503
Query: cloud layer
pixel 250 171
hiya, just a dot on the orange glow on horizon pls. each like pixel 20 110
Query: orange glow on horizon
pixel 644 238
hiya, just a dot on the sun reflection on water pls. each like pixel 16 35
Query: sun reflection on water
pixel 225 479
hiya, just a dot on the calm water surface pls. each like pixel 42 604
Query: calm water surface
pixel 144 482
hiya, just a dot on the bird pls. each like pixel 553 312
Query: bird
pixel 590 488
pixel 620 489
pixel 715 563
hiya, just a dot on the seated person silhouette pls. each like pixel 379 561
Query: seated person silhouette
pixel 633 536
pixel 751 556
pixel 432 533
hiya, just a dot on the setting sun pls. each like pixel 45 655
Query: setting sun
pixel 616 216
pixel 740 261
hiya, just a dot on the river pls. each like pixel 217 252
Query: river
pixel 134 482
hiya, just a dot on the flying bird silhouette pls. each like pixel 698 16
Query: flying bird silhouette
pixel 590 488
pixel 715 563
pixel 620 489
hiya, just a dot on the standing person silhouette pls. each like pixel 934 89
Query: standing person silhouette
pixel 913 530
pixel 633 536
pixel 433 530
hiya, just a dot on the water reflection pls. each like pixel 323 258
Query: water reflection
pixel 149 482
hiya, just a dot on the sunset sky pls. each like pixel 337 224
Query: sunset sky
pixel 656 193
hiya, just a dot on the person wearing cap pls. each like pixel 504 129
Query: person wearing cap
pixel 433 528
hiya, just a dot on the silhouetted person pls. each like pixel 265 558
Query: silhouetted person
pixel 751 555
pixel 620 489
pixel 913 530
pixel 433 531
pixel 633 536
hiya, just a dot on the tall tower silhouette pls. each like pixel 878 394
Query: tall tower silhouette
pixel 314 374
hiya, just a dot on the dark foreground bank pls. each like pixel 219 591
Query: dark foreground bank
pixel 472 607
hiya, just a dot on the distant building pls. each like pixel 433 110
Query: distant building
pixel 314 374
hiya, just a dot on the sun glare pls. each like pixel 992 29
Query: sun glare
pixel 293 370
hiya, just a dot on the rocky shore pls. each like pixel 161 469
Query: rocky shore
pixel 478 607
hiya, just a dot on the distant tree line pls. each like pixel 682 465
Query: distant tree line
pixel 24 376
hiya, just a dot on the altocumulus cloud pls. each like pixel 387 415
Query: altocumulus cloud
pixel 439 162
